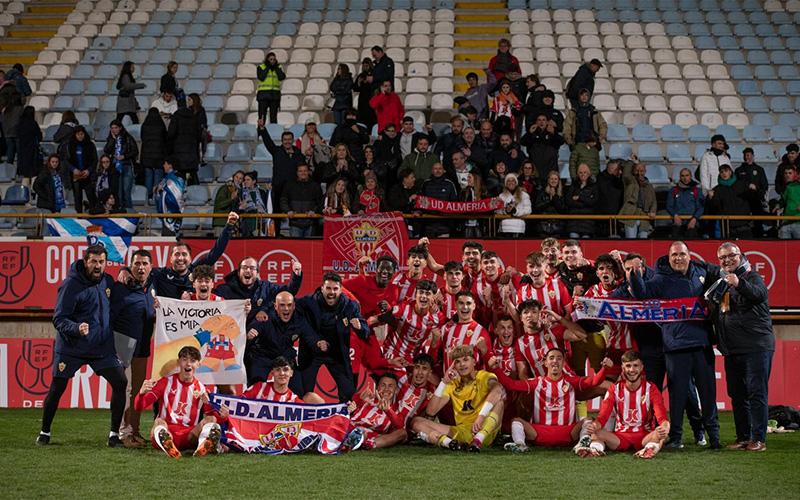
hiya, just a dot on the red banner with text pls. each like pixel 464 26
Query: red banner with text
pixel 30 271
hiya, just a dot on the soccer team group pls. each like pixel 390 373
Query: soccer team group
pixel 490 350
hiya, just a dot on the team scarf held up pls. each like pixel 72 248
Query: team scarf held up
pixel 718 292
pixel 458 207
pixel 274 428
pixel 640 311
pixel 170 200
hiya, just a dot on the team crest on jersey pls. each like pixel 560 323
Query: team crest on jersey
pixel 259 302
pixel 565 388
pixel 551 294
pixel 283 436
pixel 62 366
pixel 197 394
pixel 579 276
pixel 108 293
pixel 554 404
pixel 632 415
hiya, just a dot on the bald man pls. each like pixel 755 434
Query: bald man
pixel 274 338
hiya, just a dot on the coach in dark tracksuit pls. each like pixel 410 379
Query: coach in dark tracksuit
pixel 244 284
pixel 740 310
pixel 275 337
pixel 84 337
pixel 651 350
pixel 331 316
pixel 687 344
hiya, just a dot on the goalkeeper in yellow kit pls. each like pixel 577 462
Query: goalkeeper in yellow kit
pixel 477 399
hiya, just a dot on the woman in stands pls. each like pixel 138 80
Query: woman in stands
pixel 366 115
pixel 124 152
pixel 342 92
pixel 226 199
pixel 504 110
pixel 28 138
pixel 581 199
pixel 64 133
pixel 496 179
pixel 49 187
pixel 337 199
pixel 473 191
pixel 106 204
pixel 154 150
pixel 80 163
pixel 517 203
pixel 341 165
pixel 105 179
pixel 370 195
pixel 270 75
pixel 126 99
pixel 195 104
pixel 550 200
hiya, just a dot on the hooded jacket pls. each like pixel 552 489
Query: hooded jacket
pixel 670 284
pixel 81 300
pixel 542 149
pixel 686 200
pixel 133 313
pixel 262 293
pixel 183 139
pixel 708 170
pixel 420 163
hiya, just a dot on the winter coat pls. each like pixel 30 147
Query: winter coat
pixel 599 125
pixel 133 314
pixel 342 92
pixel 398 198
pixel 421 164
pixel 542 147
pixel 262 293
pixel 670 284
pixel 730 200
pixel 302 197
pixel 284 165
pixel 113 181
pixel 382 72
pixel 610 191
pixel 584 205
pixel 709 169
pixel 441 188
pixel 154 143
pixel 754 174
pixel 686 200
pixel 183 139
pixel 790 199
pixel 29 158
pixel 126 98
pixel 583 79
pixel 225 203
pixel 583 153
pixel 70 163
pixel 45 190
pixel 504 155
pixel 81 300
pixel 388 108
pixel 522 209
pixel 631 198
pixel 355 141
pixel 276 339
pixel 23 87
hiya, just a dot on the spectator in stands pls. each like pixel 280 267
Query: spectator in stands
pixel 508 152
pixel 504 109
pixel 585 153
pixel 169 196
pixel 685 198
pixel 270 75
pixel 302 196
pixel 402 197
pixel 440 187
pixel 169 84
pixel 154 150
pixel 49 187
pixel 17 75
pixel 472 150
pixel 363 86
pixel 550 200
pixel 420 161
pixel 708 171
pixel 495 180
pixel 408 136
pixel 470 116
pixel 473 191
pixel 122 147
pixel 380 168
pixel 12 107
pixel 64 134
pixel 388 106
pixel 583 119
pixel 226 199
pixel 29 136
pixel 582 80
pixel 313 146
pixel 341 89
pixel 387 147
pixel 790 205
pixel 504 63
pixel 370 195
pixel 285 159
pixel 195 104
pixel 382 70
pixel 351 134
pixel 487 138
pixel 477 95
pixel 581 199
pixel 105 205
pixel 542 143
pixel 105 178
pixel 610 190
pixel 450 142
pixel 531 100
pixel 791 159
pixel 337 199
pixel 755 178
pixel 517 203
pixel 183 140
pixel 528 179
pixel 461 169
pixel 547 108
pixel 80 163
pixel 127 105
pixel 729 197
pixel 341 165
pixel 253 200
pixel 166 106
pixel 640 199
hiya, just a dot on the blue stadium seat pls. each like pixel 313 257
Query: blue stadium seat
pixel 788 73
pixel 213 153
pixel 8 172
pixel 650 152
pixel 326 130
pixel 620 151
pixel 793 88
pixel 7 222
pixel 764 72
pixel 196 195
pixel 72 87
pixel 755 104
pixel 658 175
pixel 213 102
pixel 261 154
pixel 617 132
pixel 764 153
pixel 705 42
pixel 762 119
pixel 225 71
pixel 741 72
pixel 699 133
pixel 781 104
pixel 245 132
pixel 780 57
pixel 748 43
pixel 782 133
pixel 63 103
pixel 733 57
pixel 672 133
pixel 227 171
pixel 237 151
pixel 676 29
pixel 17 195
pixel 748 87
pixel 218 87
pixel 736 151
pixel 773 88
pixel 731 133
pixel 83 72
pixel 644 133
pixel 264 171
pixel 754 133
pixel 205 174
pixel 678 153
pixel 773 43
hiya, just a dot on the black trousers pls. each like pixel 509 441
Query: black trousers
pixel 747 376
pixel 655 370
pixel 342 374
pixel 269 104
pixel 682 367
pixel 81 188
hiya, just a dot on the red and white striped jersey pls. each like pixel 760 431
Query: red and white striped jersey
pixel 405 286
pixel 534 347
pixel 553 295
pixel 508 361
pixel 179 402
pixel 265 391
pixel 410 333
pixel 369 416
pixel 638 410
pixel 211 297
pixel 456 334
pixel 412 400
pixel 448 308
pixel 619 337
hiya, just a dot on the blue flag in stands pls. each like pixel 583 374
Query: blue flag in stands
pixel 114 234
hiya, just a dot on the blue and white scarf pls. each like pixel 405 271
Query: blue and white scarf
pixel 170 200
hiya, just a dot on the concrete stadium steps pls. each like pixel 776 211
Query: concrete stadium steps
pixel 33 28
pixel 478 26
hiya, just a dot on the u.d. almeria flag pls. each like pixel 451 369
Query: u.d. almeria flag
pixel 347 239
pixel 635 311
pixel 274 428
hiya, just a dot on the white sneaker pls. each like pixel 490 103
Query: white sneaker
pixel 516 448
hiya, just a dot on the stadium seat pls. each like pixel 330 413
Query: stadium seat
pixel 650 152
pixel 678 153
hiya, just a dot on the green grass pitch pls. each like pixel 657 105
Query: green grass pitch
pixel 77 464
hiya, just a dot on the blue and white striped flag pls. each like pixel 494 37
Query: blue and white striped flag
pixel 169 200
pixel 114 234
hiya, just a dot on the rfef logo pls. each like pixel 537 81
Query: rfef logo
pixel 762 263
pixel 17 275
pixel 276 266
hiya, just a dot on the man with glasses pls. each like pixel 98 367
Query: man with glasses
pixel 740 311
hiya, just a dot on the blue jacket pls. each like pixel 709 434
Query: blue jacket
pixel 685 201
pixel 670 284
pixel 276 338
pixel 647 335
pixel 261 294
pixel 81 300
pixel 133 314
pixel 318 314
pixel 168 283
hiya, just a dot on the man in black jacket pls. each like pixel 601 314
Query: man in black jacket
pixel 508 152
pixel 332 317
pixel 440 187
pixel 183 140
pixel 303 196
pixel 542 142
pixel 383 71
pixel 352 135
pixel 738 300
pixel 583 79
pixel 449 143
pixel 754 176
pixel 610 192
pixel 285 159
